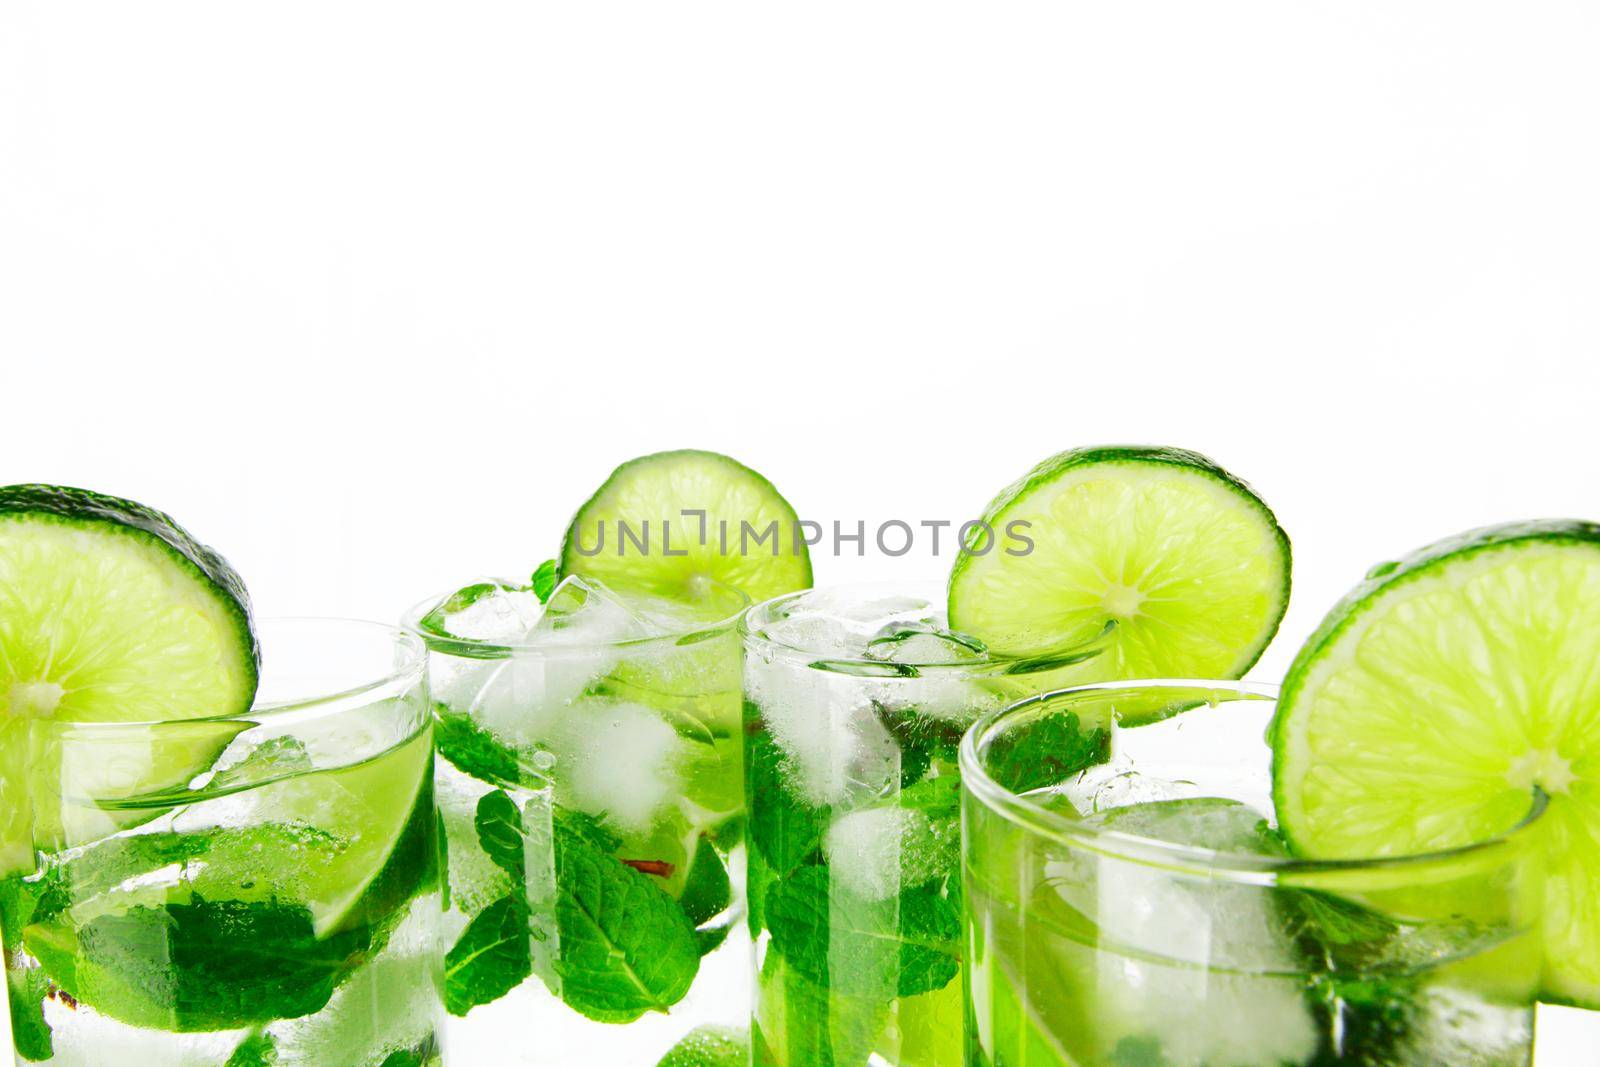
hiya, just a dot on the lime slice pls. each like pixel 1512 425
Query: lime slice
pixel 110 612
pixel 1183 557
pixel 1437 697
pixel 668 522
pixel 710 1046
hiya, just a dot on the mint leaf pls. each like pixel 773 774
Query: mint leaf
pixel 257 1050
pixel 34 898
pixel 625 947
pixel 1359 1003
pixel 1138 1052
pixel 922 738
pixel 587 827
pixel 1328 920
pixel 909 944
pixel 26 989
pixel 406 1057
pixel 205 965
pixel 707 892
pixel 622 945
pixel 491 957
pixel 499 826
pixel 436 622
pixel 1049 750
pixel 786 831
pixel 710 938
pixel 783 831
pixel 1376 1015
pixel 472 750
pixel 938 798
pixel 442 840
pixel 544 581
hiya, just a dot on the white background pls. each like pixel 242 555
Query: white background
pixel 371 295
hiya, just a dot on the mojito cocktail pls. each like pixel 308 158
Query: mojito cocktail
pixel 591 774
pixel 255 889
pixel 855 702
pixel 1137 903
pixel 217 844
pixel 590 786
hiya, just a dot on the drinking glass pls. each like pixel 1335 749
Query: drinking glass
pixel 855 701
pixel 237 891
pixel 1132 900
pixel 590 786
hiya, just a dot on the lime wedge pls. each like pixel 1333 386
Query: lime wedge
pixel 110 612
pixel 350 845
pixel 668 522
pixel 384 813
pixel 1437 697
pixel 1183 557
pixel 305 883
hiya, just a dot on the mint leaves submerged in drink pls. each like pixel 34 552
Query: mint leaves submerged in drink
pixel 221 928
pixel 171 957
pixel 608 940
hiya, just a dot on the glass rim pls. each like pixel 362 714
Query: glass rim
pixel 1242 866
pixel 410 666
pixel 482 648
pixel 1076 649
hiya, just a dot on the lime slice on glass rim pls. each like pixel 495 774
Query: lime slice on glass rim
pixel 1183 558
pixel 1437 697
pixel 699 516
pixel 110 612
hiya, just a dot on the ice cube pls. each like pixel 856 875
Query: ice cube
pixel 1117 785
pixel 863 850
pixel 572 645
pixel 618 761
pixel 385 1008
pixel 585 611
pixel 839 623
pixel 876 852
pixel 949 695
pixel 517 698
pixel 834 744
pixel 489 609
pixel 925 645
pixel 476 881
pixel 1201 966
pixel 81 1039
pixel 1203 822
pixel 1174 913
pixel 820 635
pixel 866 614
pixel 667 616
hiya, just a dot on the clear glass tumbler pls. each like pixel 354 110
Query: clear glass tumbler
pixel 590 785
pixel 1132 903
pixel 238 891
pixel 855 701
